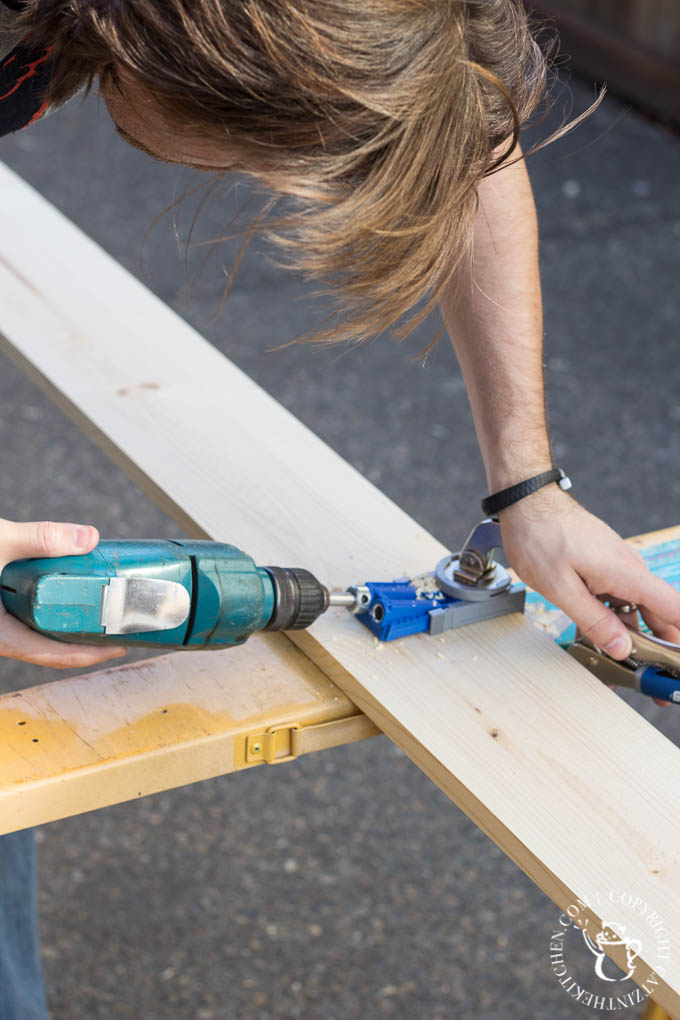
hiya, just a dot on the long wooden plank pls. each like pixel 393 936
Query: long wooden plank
pixel 87 742
pixel 557 769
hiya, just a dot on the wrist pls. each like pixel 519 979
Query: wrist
pixel 502 472
pixel 507 497
pixel 547 502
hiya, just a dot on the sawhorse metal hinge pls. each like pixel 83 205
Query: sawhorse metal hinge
pixel 287 741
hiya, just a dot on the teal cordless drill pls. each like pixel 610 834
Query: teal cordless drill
pixel 169 593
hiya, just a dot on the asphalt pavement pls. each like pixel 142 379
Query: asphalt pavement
pixel 345 884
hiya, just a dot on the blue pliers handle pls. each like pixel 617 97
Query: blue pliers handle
pixel 653 667
pixel 658 685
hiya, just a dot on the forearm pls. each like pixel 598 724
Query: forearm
pixel 495 323
pixel 494 319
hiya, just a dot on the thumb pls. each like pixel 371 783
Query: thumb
pixel 44 538
pixel 595 620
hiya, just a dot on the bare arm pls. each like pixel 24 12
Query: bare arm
pixel 553 543
pixel 497 332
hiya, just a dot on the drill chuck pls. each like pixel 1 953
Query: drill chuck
pixel 298 598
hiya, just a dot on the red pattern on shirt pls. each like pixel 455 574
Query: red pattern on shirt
pixel 30 70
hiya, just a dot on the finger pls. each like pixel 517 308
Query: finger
pixel 661 628
pixel 594 619
pixel 20 642
pixel 44 538
pixel 657 596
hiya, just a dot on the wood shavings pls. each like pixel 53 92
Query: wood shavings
pixel 552 621
pixel 426 586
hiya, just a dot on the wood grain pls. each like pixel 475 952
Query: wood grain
pixel 553 766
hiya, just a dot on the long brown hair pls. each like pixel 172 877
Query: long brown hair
pixel 378 118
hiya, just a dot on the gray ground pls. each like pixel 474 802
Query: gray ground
pixel 343 885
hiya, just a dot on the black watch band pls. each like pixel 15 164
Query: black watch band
pixel 506 497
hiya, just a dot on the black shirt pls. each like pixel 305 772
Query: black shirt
pixel 24 77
